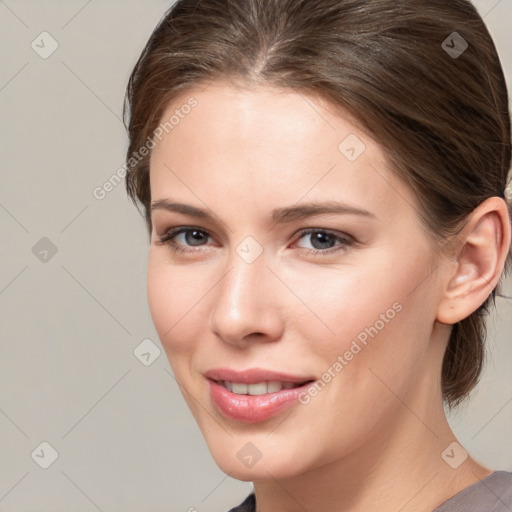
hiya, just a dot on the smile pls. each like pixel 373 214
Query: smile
pixel 259 388
pixel 254 395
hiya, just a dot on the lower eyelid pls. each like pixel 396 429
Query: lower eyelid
pixel 170 236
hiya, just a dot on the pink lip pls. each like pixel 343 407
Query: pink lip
pixel 253 408
pixel 253 375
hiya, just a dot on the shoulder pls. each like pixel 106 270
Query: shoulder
pixel 247 506
pixel 491 494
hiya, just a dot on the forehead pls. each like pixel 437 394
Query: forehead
pixel 264 144
pixel 258 115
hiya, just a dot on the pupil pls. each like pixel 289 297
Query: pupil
pixel 320 238
pixel 195 236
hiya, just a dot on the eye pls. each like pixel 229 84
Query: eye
pixel 192 236
pixel 323 241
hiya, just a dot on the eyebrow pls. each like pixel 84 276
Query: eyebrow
pixel 279 215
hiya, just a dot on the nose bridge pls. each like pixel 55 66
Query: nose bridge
pixel 244 303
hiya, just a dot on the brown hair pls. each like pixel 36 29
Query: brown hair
pixel 442 118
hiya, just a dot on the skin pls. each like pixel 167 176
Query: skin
pixel 372 438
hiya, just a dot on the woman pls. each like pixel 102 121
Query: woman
pixel 323 183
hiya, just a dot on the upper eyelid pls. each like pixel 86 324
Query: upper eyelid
pixel 333 232
pixel 178 230
pixel 184 228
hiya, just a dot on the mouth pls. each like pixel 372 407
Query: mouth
pixel 254 395
pixel 259 388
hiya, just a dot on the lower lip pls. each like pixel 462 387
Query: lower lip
pixel 253 408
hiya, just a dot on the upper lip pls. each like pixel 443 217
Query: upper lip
pixel 253 375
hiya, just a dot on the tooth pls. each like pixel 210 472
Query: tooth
pixel 259 388
pixel 239 387
pixel 274 386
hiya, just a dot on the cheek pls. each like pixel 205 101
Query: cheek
pixel 381 333
pixel 339 302
pixel 174 298
pixel 371 314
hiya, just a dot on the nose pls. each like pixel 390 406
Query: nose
pixel 246 306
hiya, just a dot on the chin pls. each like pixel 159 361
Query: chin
pixel 262 470
pixel 250 458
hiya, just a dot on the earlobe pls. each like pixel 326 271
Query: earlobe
pixel 484 244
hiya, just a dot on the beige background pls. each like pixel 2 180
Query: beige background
pixel 70 324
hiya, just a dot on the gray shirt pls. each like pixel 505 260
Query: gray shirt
pixel 491 494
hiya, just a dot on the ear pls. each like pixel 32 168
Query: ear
pixel 482 249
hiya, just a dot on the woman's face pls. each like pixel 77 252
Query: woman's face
pixel 321 335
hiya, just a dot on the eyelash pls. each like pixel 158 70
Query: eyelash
pixel 167 239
